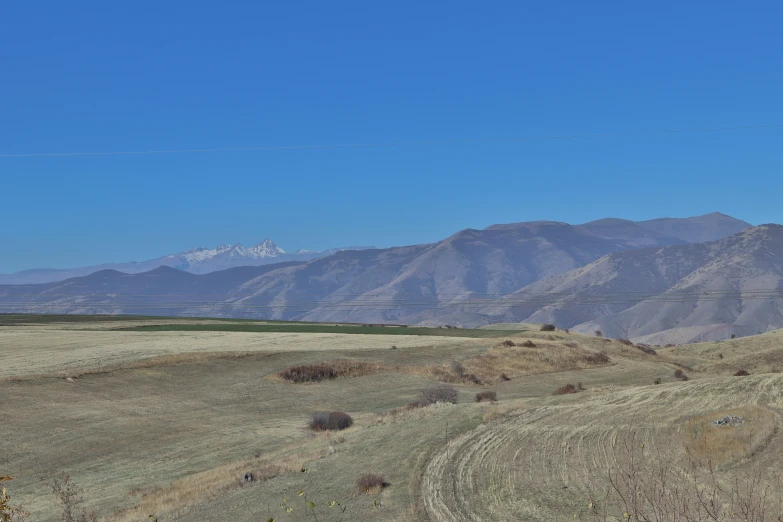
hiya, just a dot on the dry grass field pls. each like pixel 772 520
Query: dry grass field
pixel 169 423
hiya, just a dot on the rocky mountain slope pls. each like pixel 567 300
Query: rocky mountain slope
pixel 676 294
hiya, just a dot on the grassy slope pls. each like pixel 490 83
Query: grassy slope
pixel 128 434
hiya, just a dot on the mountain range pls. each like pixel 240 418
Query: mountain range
pixel 196 261
pixel 659 281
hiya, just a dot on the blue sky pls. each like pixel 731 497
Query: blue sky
pixel 136 76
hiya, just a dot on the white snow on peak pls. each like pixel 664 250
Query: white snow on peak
pixel 266 248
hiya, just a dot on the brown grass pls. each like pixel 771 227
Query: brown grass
pixel 317 372
pixel 720 445
pixel 521 360
pixel 200 487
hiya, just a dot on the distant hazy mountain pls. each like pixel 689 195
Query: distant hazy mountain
pixel 196 261
pixel 618 276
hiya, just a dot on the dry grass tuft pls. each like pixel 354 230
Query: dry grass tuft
pixel 569 388
pixel 370 483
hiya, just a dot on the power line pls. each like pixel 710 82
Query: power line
pixel 393 143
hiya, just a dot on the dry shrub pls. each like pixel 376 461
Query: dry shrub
pixel 370 482
pixel 504 377
pixel 508 343
pixel 597 358
pixel 548 328
pixel 658 380
pixel 318 372
pixel 625 342
pixel 439 393
pixel 646 348
pixel 335 420
pixel 8 512
pixel 599 333
pixel 454 374
pixel 486 396
pixel 569 388
pixel 679 374
pixel 741 373
pixel 529 344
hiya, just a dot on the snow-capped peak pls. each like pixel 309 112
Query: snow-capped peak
pixel 265 248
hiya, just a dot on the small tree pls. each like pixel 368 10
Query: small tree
pixel 70 500
pixel 548 328
pixel 599 333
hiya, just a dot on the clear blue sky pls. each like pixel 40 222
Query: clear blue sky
pixel 134 76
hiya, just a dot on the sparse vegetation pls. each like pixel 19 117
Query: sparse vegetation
pixel 548 328
pixel 486 396
pixel 741 373
pixel 508 343
pixel 336 420
pixel 533 358
pixel 679 374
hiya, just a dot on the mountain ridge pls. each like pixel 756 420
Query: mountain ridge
pixel 582 276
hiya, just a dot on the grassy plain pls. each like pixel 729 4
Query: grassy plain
pixel 166 421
